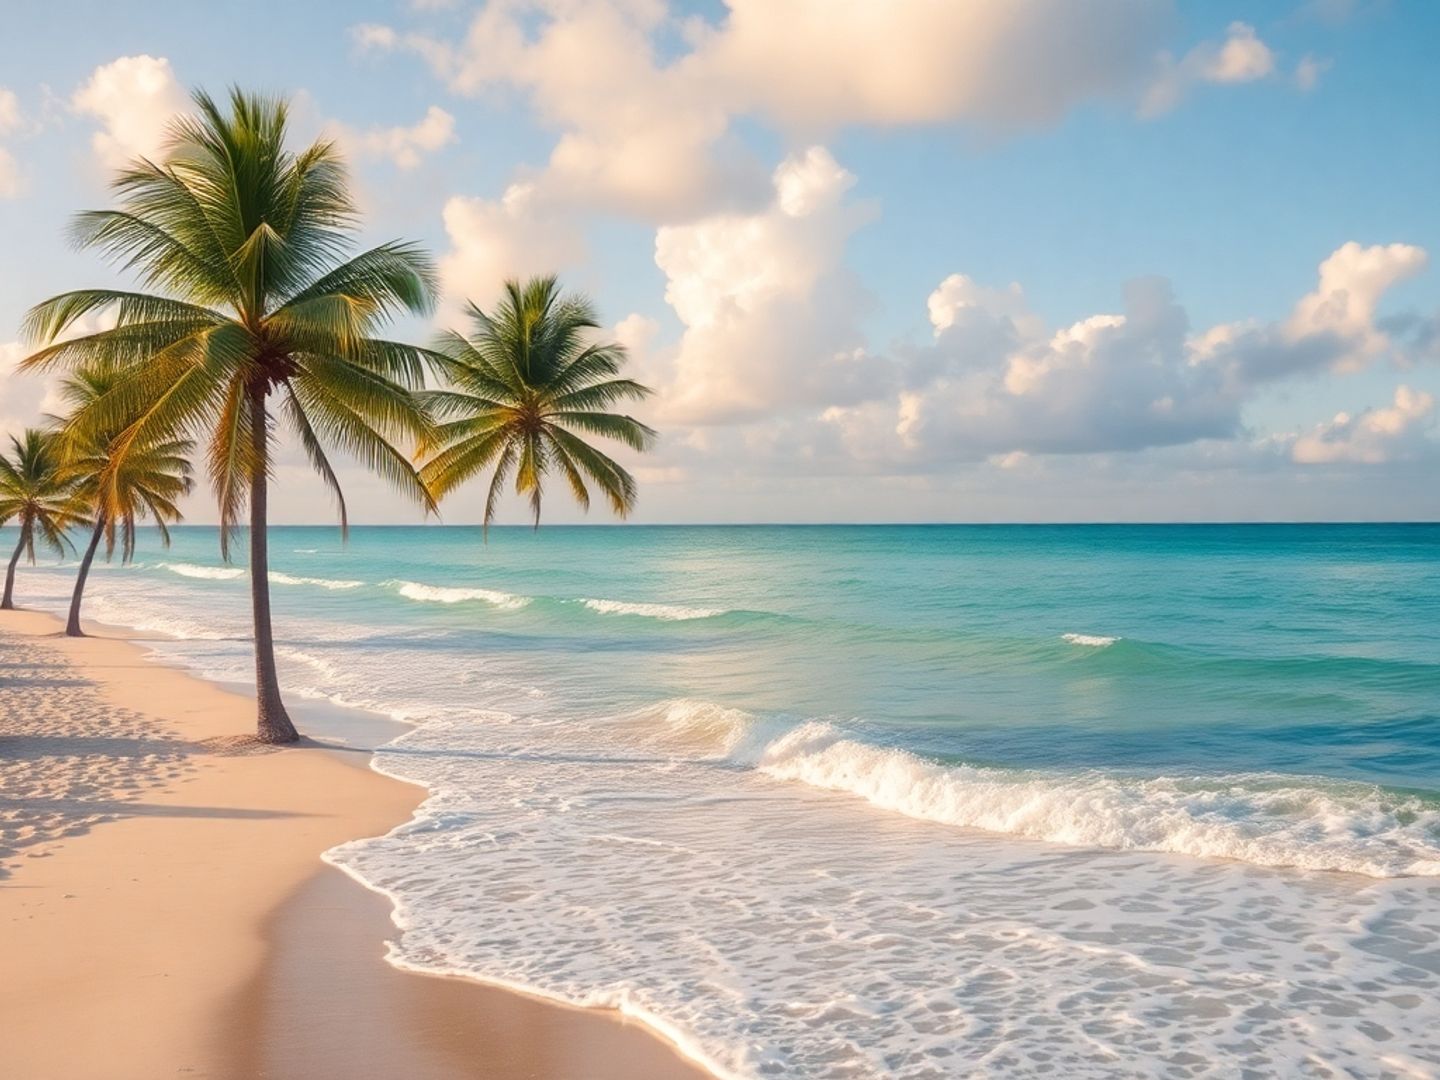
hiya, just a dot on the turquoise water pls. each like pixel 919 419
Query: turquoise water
pixel 1303 649
pixel 646 746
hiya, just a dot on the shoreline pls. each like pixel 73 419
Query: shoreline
pixel 162 890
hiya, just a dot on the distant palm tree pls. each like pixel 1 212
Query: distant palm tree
pixel 523 389
pixel 247 248
pixel 146 481
pixel 36 494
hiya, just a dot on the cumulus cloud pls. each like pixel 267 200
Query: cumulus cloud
pixel 1332 328
pixel 773 363
pixel 134 98
pixel 1352 281
pixel 1241 58
pixel 770 314
pixel 996 383
pixel 24 397
pixel 645 102
pixel 635 135
pixel 406 147
pixel 495 239
pixel 814 65
pixel 1372 437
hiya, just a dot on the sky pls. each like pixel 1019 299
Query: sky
pixel 881 260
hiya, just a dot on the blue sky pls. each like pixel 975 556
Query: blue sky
pixel 769 224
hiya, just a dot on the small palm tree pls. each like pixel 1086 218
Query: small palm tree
pixel 146 481
pixel 246 249
pixel 40 498
pixel 524 388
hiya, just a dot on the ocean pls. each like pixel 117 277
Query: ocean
pixel 889 801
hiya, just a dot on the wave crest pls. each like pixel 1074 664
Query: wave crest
pixel 1093 641
pixel 208 573
pixel 440 594
pixel 324 583
pixel 668 612
pixel 1262 818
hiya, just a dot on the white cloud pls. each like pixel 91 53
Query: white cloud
pixel 960 298
pixel 635 136
pixel 814 66
pixel 1241 58
pixel 648 131
pixel 1352 281
pixel 407 146
pixel 1374 436
pixel 491 240
pixel 374 36
pixel 12 180
pixel 135 98
pixel 769 312
pixel 24 397
pixel 1308 72
pixel 996 382
pixel 1332 328
pixel 11 119
pixel 773 364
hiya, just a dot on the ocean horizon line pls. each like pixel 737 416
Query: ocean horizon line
pixel 193 526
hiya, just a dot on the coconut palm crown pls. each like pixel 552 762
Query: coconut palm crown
pixel 526 387
pixel 143 483
pixel 36 494
pixel 254 313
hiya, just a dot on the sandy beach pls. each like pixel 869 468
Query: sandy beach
pixel 164 909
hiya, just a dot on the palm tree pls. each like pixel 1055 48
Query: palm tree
pixel 35 492
pixel 246 250
pixel 524 388
pixel 146 481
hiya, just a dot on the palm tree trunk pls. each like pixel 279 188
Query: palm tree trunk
pixel 72 628
pixel 273 723
pixel 7 603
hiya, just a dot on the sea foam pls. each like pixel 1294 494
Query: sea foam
pixel 666 612
pixel 441 594
pixel 1265 819
pixel 666 866
pixel 209 573
pixel 1094 641
pixel 323 583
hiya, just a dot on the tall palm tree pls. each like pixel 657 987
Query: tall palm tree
pixel 246 249
pixel 528 383
pixel 40 498
pixel 146 481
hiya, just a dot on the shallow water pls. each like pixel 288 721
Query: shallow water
pixel 911 802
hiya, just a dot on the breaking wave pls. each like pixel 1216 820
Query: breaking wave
pixel 209 573
pixel 440 594
pixel 667 612
pixel 1262 818
pixel 320 582
pixel 1094 641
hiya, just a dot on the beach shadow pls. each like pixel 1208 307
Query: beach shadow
pixel 59 819
pixel 120 808
pixel 11 683
pixel 38 747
